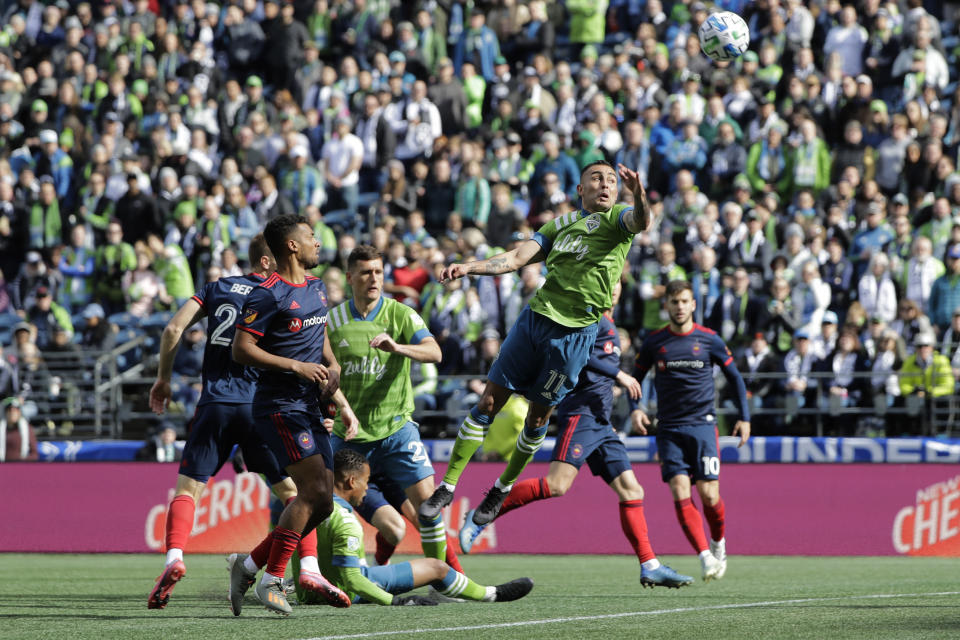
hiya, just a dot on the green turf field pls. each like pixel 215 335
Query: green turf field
pixel 83 597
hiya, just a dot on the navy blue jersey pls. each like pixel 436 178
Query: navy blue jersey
pixel 684 380
pixel 593 394
pixel 289 320
pixel 224 380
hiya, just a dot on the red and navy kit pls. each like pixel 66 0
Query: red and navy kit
pixel 586 434
pixel 686 426
pixel 289 321
pixel 224 417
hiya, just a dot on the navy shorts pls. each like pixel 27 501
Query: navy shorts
pixel 401 456
pixel 214 430
pixel 294 434
pixel 581 439
pixel 692 450
pixel 541 359
pixel 381 491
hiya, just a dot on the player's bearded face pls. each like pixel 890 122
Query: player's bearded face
pixel 680 307
pixel 309 253
pixel 598 188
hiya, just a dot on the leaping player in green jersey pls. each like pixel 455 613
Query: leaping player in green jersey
pixel 552 338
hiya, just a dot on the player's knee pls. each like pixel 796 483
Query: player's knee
pixel 438 568
pixel 559 487
pixel 393 530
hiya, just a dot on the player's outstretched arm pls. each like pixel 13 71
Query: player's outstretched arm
pixel 636 219
pixel 527 252
pixel 187 315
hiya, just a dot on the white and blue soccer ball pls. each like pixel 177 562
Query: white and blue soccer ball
pixel 724 36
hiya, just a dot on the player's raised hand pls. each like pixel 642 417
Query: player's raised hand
pixel 350 422
pixel 384 342
pixel 742 428
pixel 630 178
pixel 160 395
pixel 639 422
pixel 311 372
pixel 452 272
pixel 631 384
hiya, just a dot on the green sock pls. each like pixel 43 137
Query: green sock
pixel 469 438
pixel 433 538
pixel 457 585
pixel 527 446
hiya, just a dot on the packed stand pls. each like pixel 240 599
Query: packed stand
pixel 807 189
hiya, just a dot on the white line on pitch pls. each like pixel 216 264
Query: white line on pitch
pixel 610 616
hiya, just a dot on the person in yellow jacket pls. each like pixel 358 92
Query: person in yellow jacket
pixel 925 374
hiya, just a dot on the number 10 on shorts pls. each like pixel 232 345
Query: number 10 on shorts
pixel 711 465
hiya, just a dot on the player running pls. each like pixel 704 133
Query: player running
pixel 282 333
pixel 552 338
pixel 223 417
pixel 586 435
pixel 340 546
pixel 374 339
pixel 684 354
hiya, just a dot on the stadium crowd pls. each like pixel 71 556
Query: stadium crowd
pixel 809 189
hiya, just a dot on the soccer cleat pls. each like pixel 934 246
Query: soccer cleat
pixel 240 580
pixel 663 576
pixel 490 507
pixel 710 567
pixel 160 595
pixel 316 583
pixel 273 597
pixel 513 590
pixel 719 551
pixel 432 506
pixel 439 598
pixel 469 532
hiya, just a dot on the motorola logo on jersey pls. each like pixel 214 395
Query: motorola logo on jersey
pixel 295 324
pixel 684 364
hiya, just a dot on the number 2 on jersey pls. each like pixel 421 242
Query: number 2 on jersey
pixel 229 313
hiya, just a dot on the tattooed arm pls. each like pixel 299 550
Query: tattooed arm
pixel 638 218
pixel 529 251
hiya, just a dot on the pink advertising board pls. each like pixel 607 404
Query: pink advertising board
pixel 854 509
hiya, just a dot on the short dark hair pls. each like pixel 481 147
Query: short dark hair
pixel 258 249
pixel 363 253
pixel 347 462
pixel 278 231
pixel 676 286
pixel 593 164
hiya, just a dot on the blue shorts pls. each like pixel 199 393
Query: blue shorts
pixel 541 359
pixel 294 434
pixel 381 491
pixel 214 430
pixel 393 578
pixel 581 439
pixel 400 457
pixel 692 450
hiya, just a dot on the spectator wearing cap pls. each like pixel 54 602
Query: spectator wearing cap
pixel 46 315
pixel 945 292
pixel 342 159
pixel 18 441
pixel 33 275
pixel 477 45
pixel 46 221
pixel 95 332
pixel 255 102
pixel 925 374
pixel 53 161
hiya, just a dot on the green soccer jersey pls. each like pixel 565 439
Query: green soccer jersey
pixel 585 256
pixel 376 383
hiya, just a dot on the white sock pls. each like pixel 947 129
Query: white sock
pixel 268 578
pixel 250 565
pixel 309 563
pixel 503 487
pixel 174 554
pixel 704 554
pixel 490 596
pixel 450 487
pixel 651 564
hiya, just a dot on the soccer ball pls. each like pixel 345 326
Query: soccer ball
pixel 724 36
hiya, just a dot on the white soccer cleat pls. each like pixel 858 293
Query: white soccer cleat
pixel 710 567
pixel 719 551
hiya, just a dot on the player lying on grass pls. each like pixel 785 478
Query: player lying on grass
pixel 586 435
pixel 340 552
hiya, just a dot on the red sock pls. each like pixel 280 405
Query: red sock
pixel 179 521
pixel 635 528
pixel 384 549
pixel 691 523
pixel 715 519
pixel 261 552
pixel 308 544
pixel 284 544
pixel 452 558
pixel 525 492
